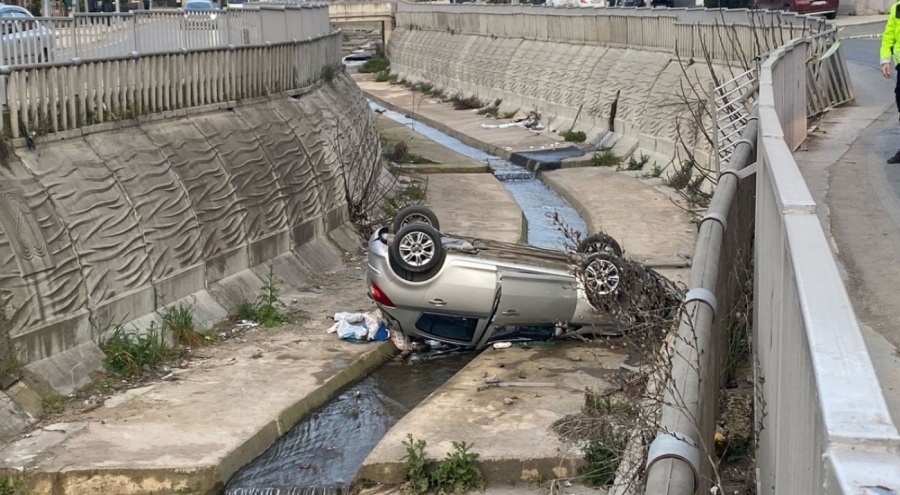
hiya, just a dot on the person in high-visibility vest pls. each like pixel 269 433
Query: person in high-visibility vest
pixel 890 58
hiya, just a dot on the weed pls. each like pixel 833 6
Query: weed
pixel 458 472
pixel 656 171
pixel 605 158
pixel 366 483
pixel 681 178
pixel 53 404
pixel 328 73
pixel 399 153
pixel 509 115
pixel 178 320
pixel 417 480
pixel 465 102
pixel 265 310
pixel 245 310
pixel 491 110
pixel 267 313
pixel 383 76
pixel 574 136
pixel 129 353
pixel 11 485
pixel 601 458
pixel 377 64
pixel 637 164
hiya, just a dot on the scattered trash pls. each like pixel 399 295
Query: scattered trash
pixel 360 326
pixel 521 374
pixel 507 401
pixel 247 324
pixel 492 379
pixel 502 345
pixel 256 355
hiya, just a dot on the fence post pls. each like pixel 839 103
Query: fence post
pixel 714 115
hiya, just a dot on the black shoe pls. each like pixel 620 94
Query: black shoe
pixel 894 159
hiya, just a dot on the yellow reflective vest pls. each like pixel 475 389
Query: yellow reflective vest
pixel 891 38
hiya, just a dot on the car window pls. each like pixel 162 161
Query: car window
pixel 448 327
pixel 198 6
pixel 14 12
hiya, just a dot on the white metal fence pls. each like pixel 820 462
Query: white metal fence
pixel 48 98
pixel 92 36
pixel 825 426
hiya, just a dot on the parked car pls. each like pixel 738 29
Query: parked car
pixel 827 7
pixel 199 14
pixel 473 292
pixel 25 39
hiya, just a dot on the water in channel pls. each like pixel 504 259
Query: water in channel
pixel 536 200
pixel 323 452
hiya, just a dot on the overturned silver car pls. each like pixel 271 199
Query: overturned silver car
pixel 473 292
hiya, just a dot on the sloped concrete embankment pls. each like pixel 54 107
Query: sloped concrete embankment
pixel 641 95
pixel 108 227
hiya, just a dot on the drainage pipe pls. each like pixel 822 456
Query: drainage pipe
pixel 679 460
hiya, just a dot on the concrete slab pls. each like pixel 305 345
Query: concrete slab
pixel 70 369
pixel 185 433
pixel 461 202
pixel 510 436
pixel 644 220
pixel 444 160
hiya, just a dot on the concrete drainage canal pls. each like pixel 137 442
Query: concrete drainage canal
pixel 322 454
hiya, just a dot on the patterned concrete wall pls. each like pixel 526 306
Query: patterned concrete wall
pixel 107 227
pixel 567 83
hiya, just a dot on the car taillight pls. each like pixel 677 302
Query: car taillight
pixel 380 297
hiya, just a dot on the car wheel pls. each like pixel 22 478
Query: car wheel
pixel 415 214
pixel 417 248
pixel 602 272
pixel 831 15
pixel 598 243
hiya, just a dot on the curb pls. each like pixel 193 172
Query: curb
pixel 571 198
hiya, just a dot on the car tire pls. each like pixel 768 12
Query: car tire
pixel 417 248
pixel 831 15
pixel 602 273
pixel 597 243
pixel 415 214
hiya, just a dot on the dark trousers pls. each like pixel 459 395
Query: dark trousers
pixel 897 88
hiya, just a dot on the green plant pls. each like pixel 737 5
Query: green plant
pixel 601 458
pixel 458 472
pixel 265 310
pixel 267 313
pixel 53 403
pixel 377 64
pixel 416 480
pixel 605 158
pixel 574 136
pixel 328 73
pixel 11 485
pixel 637 164
pixel 383 76
pixel 656 171
pixel 128 353
pixel 509 115
pixel 178 320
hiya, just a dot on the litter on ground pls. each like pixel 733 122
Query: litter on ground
pixel 360 326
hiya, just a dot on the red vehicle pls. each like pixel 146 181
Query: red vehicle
pixel 827 7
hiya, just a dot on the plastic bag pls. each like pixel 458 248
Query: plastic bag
pixel 360 326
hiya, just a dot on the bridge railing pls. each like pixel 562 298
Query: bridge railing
pixel 54 97
pixel 93 36
pixel 825 427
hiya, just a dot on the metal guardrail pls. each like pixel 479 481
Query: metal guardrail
pixel 91 36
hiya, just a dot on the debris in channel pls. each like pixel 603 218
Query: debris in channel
pixel 360 326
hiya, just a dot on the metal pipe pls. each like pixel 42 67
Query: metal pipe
pixel 682 453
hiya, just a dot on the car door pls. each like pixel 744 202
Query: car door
pixel 534 298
